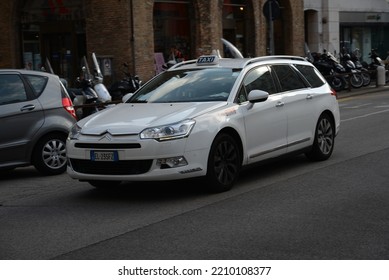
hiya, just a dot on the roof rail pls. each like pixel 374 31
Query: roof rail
pixel 270 57
pixel 183 63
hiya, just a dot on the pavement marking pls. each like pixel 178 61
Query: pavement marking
pixel 366 115
pixel 357 106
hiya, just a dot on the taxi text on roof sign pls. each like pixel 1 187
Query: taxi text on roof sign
pixel 208 59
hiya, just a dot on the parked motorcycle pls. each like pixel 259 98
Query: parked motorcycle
pixel 355 57
pixel 374 63
pixel 331 69
pixel 355 76
pixel 129 84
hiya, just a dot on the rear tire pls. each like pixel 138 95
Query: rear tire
pixel 324 141
pixel 224 163
pixel 337 84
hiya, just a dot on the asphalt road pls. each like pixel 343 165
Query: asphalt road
pixel 286 209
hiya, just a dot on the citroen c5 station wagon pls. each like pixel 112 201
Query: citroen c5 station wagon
pixel 208 118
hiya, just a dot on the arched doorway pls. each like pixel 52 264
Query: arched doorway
pixel 53 29
pixel 172 22
pixel 289 28
pixel 238 25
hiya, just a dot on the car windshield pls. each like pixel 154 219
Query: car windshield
pixel 194 85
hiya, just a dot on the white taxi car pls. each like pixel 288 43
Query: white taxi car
pixel 208 117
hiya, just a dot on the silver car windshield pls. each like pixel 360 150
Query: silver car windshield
pixel 195 85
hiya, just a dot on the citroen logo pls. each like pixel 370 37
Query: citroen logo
pixel 106 136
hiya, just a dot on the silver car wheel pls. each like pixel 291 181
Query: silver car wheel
pixel 54 153
pixel 49 155
pixel 324 142
pixel 325 136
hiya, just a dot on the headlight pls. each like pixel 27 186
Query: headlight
pixel 169 131
pixel 74 132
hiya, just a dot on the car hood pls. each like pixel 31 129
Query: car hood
pixel 132 118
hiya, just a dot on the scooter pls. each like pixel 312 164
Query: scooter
pixel 99 87
pixel 92 93
pixel 355 77
pixel 129 84
pixel 373 65
pixel 86 99
pixel 355 55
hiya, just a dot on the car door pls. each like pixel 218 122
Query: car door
pixel 265 122
pixel 298 106
pixel 21 116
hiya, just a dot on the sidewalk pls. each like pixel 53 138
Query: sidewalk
pixel 363 90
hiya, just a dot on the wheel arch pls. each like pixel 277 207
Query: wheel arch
pixel 331 115
pixel 234 134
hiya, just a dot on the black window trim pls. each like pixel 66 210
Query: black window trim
pixel 275 77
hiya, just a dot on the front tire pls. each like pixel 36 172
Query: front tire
pixel 366 77
pixel 324 141
pixel 224 163
pixel 356 80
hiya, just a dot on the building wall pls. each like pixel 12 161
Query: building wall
pixel 7 38
pixel 326 31
pixel 123 31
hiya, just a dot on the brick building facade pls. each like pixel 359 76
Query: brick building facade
pixel 132 31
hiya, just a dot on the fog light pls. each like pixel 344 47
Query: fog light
pixel 171 162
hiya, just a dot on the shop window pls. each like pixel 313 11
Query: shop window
pixel 235 15
pixel 172 27
pixel 53 30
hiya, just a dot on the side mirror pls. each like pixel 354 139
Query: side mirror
pixel 257 96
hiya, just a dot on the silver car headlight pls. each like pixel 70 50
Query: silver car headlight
pixel 168 132
pixel 74 132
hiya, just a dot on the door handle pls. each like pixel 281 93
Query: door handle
pixel 27 108
pixel 309 96
pixel 280 104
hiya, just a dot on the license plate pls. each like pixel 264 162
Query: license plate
pixel 104 155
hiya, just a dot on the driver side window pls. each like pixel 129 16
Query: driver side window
pixel 259 78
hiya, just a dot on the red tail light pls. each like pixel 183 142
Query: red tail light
pixel 333 93
pixel 68 105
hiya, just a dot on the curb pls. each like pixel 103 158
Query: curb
pixel 363 90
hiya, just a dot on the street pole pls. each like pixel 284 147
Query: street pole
pixel 271 30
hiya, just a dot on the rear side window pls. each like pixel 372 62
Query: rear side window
pixel 37 82
pixel 288 78
pixel 12 89
pixel 310 73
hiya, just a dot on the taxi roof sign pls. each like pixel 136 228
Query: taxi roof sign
pixel 208 60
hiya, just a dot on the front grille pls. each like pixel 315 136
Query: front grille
pixel 121 167
pixel 108 145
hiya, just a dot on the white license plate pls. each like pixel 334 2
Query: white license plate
pixel 104 155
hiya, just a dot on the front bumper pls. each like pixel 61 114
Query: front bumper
pixel 137 160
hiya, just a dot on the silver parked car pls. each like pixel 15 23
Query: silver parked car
pixel 36 114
